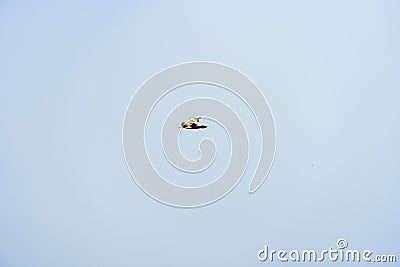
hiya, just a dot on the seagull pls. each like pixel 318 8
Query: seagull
pixel 192 124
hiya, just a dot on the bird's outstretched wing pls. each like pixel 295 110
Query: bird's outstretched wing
pixel 193 120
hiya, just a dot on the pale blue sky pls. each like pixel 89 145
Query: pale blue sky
pixel 329 69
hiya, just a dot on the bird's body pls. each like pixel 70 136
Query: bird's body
pixel 192 124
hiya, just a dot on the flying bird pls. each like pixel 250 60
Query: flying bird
pixel 192 123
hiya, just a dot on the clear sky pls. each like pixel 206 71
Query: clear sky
pixel 329 70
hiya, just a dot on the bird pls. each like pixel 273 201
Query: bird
pixel 192 123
